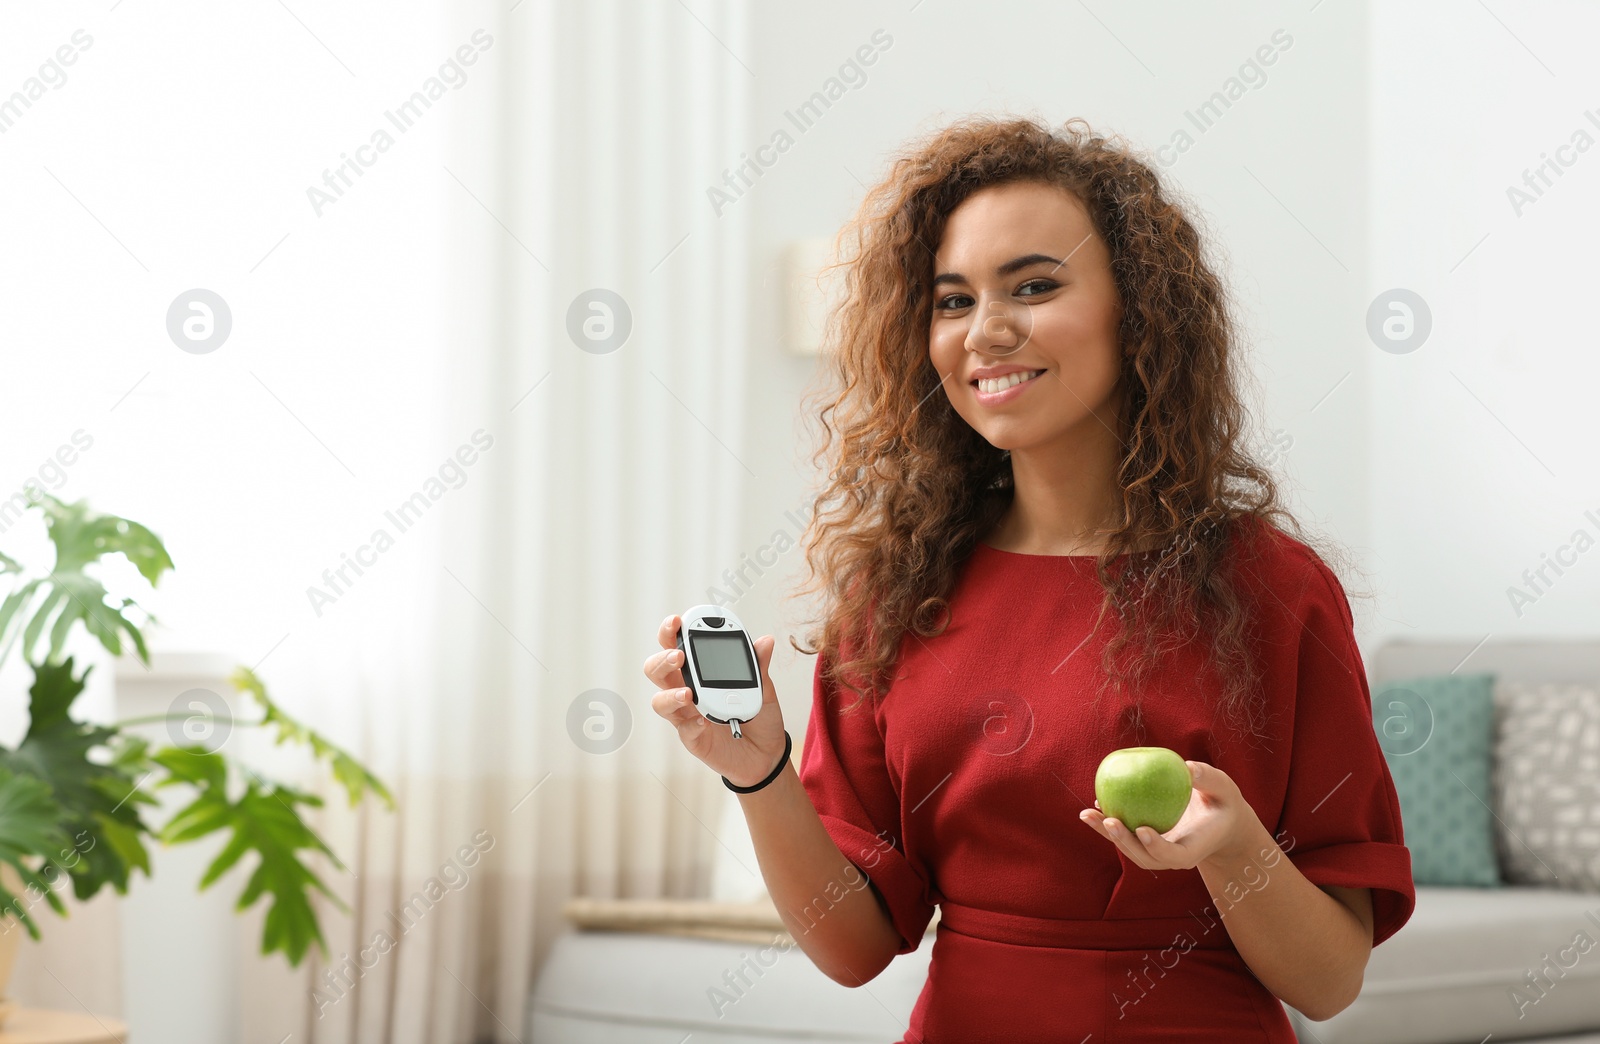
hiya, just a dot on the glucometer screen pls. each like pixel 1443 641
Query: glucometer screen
pixel 723 660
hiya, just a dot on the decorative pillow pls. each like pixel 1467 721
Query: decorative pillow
pixel 1547 783
pixel 1436 734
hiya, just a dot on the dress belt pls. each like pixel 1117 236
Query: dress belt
pixel 1200 931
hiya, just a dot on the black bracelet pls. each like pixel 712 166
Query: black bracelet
pixel 788 745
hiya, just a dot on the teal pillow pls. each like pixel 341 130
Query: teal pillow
pixel 1435 732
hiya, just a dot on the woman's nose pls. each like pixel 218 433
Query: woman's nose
pixel 1000 326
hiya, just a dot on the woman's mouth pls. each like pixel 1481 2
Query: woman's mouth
pixel 993 391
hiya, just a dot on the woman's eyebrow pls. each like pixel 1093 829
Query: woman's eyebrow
pixel 1014 265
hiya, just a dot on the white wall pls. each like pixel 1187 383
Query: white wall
pixel 1483 440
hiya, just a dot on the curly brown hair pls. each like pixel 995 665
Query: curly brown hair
pixel 911 488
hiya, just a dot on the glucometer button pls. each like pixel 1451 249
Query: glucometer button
pixel 713 621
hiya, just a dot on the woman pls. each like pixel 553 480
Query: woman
pixel 1044 540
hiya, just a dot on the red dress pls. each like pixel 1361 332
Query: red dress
pixel 961 788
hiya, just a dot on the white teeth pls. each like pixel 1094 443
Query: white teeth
pixel 991 385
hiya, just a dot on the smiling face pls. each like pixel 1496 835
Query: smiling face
pixel 1023 290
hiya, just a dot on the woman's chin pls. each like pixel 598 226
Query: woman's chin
pixel 1010 436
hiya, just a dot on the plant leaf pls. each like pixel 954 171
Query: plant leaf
pixel 264 820
pixel 52 694
pixel 125 841
pixel 90 793
pixel 54 598
pixel 29 826
pixel 351 774
pixel 83 598
pixel 14 601
pixel 82 537
pixel 70 595
pixel 193 765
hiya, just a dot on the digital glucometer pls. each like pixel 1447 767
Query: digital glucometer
pixel 719 666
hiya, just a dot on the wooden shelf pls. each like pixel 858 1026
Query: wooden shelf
pixel 756 922
pixel 37 1026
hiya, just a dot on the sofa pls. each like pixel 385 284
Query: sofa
pixel 1445 978
pixel 1449 974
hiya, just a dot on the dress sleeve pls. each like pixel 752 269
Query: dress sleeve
pixel 1341 816
pixel 845 773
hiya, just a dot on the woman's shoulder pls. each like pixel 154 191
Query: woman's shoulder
pixel 1291 569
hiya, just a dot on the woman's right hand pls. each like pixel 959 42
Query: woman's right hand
pixel 745 761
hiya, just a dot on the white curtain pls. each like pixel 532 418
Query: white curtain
pixel 579 535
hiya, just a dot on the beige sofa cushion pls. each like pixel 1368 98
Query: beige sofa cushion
pixel 1513 962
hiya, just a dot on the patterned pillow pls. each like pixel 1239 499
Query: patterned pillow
pixel 1435 731
pixel 1547 783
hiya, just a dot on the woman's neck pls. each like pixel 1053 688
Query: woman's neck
pixel 1066 497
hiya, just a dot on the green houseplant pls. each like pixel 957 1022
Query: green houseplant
pixel 73 794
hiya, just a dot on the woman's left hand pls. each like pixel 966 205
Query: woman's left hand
pixel 1218 821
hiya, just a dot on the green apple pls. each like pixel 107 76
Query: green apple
pixel 1143 786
